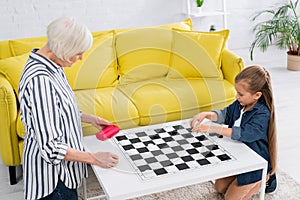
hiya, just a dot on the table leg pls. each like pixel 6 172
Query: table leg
pixel 84 189
pixel 263 182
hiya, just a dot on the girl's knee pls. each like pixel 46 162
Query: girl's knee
pixel 245 192
pixel 220 186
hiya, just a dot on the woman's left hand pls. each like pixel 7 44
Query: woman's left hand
pixel 100 123
pixel 94 120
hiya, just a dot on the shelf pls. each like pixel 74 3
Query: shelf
pixel 194 13
pixel 208 14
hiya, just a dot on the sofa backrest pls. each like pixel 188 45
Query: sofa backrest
pixel 130 55
pixel 100 66
pixel 5 51
pixel 97 69
pixel 16 47
pixel 144 53
pixel 197 54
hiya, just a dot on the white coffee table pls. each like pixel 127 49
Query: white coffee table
pixel 122 181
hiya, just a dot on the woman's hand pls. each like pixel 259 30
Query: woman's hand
pixel 100 123
pixel 105 159
pixel 96 121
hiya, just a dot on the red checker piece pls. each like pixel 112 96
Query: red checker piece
pixel 107 132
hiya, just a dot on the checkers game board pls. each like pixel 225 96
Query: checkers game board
pixel 170 149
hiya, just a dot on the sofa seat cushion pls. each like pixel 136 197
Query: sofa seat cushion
pixel 21 147
pixel 20 127
pixel 108 103
pixel 197 54
pixel 162 100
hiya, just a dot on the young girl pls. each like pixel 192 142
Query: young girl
pixel 251 120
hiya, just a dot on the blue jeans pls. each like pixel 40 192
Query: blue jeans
pixel 61 192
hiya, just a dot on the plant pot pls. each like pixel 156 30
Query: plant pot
pixel 199 10
pixel 293 62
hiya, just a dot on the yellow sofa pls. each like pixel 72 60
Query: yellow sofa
pixel 132 77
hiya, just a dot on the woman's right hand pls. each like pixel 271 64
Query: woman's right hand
pixel 105 159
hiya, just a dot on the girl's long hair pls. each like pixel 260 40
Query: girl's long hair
pixel 259 80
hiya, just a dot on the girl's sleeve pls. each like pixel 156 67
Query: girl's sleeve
pixel 221 116
pixel 225 115
pixel 46 120
pixel 254 129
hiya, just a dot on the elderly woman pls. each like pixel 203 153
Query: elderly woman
pixel 54 160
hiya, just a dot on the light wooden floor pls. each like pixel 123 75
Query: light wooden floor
pixel 286 86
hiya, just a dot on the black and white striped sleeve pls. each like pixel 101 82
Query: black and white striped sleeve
pixel 46 119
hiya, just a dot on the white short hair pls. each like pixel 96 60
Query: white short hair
pixel 67 37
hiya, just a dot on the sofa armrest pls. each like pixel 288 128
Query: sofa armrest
pixel 9 147
pixel 232 64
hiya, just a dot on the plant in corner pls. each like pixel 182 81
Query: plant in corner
pixel 199 3
pixel 281 29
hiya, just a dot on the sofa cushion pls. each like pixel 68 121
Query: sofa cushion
pixel 20 127
pixel 163 100
pixel 98 68
pixel 186 24
pixel 8 114
pixel 5 51
pixel 12 68
pixel 108 103
pixel 144 53
pixel 197 54
pixel 25 45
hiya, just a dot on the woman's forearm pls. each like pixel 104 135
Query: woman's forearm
pixel 87 118
pixel 79 156
pixel 101 159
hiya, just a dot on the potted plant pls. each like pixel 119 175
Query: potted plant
pixel 199 4
pixel 281 29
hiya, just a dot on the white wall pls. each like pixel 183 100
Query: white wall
pixel 28 18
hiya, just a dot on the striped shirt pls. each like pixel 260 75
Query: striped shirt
pixel 52 122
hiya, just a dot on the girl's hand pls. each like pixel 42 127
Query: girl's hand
pixel 207 128
pixel 105 159
pixel 201 128
pixel 197 119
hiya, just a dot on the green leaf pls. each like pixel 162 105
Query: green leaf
pixel 281 27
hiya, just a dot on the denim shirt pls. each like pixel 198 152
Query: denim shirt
pixel 253 131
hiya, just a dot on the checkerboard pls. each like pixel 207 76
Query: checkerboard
pixel 169 149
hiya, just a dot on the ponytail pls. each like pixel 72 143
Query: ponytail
pixel 259 80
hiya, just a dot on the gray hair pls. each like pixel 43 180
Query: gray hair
pixel 67 37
